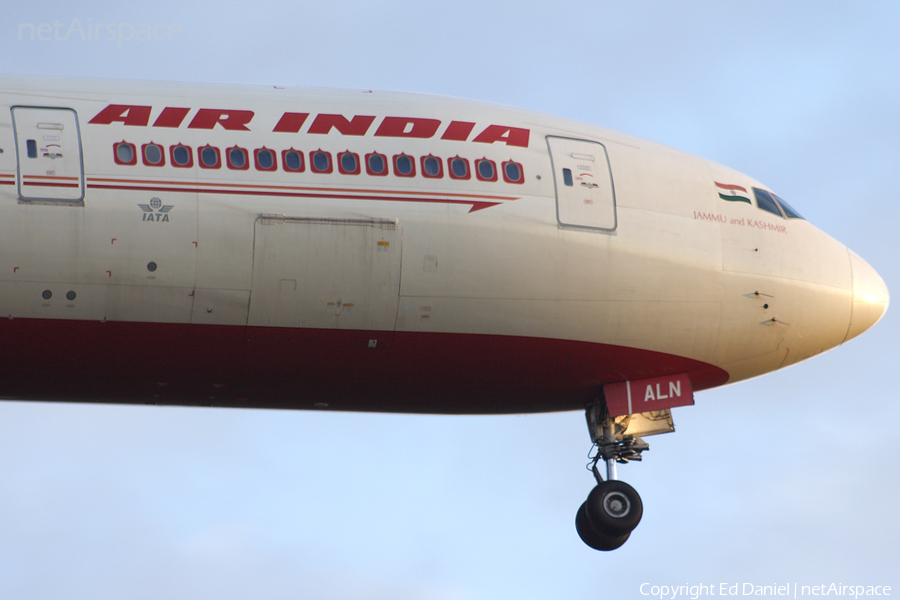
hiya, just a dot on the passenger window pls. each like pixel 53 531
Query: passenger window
pixel 485 170
pixel 237 159
pixel 512 172
pixel 181 156
pixel 265 159
pixel 459 168
pixel 348 163
pixel 292 160
pixel 31 147
pixel 125 154
pixel 153 155
pixel 209 158
pixel 321 162
pixel 376 164
pixel 404 165
pixel 765 202
pixel 431 167
pixel 567 177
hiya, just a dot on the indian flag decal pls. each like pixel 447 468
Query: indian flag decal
pixel 732 193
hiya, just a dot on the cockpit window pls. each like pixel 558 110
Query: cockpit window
pixel 769 202
pixel 765 202
pixel 789 211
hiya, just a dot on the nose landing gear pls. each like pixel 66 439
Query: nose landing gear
pixel 613 508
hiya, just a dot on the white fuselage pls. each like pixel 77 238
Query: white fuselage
pixel 288 270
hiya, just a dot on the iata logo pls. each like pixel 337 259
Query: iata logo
pixel 156 211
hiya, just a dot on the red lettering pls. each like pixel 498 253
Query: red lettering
pixel 323 124
pixel 710 217
pixel 171 117
pixel 458 131
pixel 408 127
pixel 291 122
pixel 512 136
pixel 232 120
pixel 126 114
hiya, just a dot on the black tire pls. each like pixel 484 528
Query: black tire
pixel 614 508
pixel 592 537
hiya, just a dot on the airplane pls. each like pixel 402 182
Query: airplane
pixel 275 247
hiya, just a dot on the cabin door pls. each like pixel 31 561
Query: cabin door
pixel 585 197
pixel 48 152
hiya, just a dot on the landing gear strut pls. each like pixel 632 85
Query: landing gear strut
pixel 613 508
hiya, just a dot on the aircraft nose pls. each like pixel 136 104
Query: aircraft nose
pixel 870 296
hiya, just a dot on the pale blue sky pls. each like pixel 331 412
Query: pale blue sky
pixel 790 478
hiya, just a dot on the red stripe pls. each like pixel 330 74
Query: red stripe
pixel 730 186
pixel 51 177
pixel 475 205
pixel 48 184
pixel 202 185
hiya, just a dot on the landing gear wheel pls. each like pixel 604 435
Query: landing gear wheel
pixel 593 538
pixel 614 508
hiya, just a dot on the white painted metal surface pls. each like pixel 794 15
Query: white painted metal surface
pixel 326 273
pixel 640 252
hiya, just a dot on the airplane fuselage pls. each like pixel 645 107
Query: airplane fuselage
pixel 294 248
